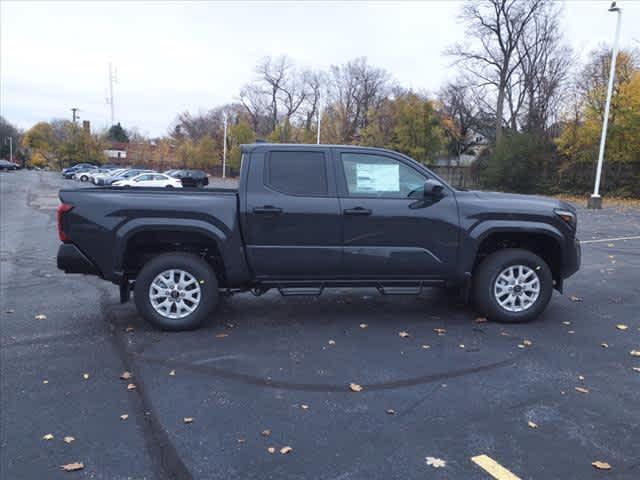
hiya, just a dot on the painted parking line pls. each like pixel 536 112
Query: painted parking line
pixel 616 239
pixel 493 468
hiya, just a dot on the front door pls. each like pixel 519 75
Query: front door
pixel 293 216
pixel 390 230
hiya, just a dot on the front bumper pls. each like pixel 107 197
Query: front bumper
pixel 573 258
pixel 72 260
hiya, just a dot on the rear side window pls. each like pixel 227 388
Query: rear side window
pixel 298 173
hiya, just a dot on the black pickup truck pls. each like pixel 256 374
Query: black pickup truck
pixel 310 217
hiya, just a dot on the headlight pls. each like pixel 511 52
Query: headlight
pixel 568 217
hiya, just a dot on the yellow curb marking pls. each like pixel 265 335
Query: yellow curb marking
pixel 493 468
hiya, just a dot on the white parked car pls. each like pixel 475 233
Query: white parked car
pixel 149 180
pixel 107 173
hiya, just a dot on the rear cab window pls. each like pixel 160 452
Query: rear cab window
pixel 297 173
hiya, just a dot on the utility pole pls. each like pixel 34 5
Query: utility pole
pixel 319 117
pixel 74 113
pixel 11 149
pixel 595 201
pixel 224 145
pixel 113 78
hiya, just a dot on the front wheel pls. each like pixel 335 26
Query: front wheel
pixel 176 291
pixel 512 286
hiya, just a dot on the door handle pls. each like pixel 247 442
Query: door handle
pixel 267 210
pixel 357 211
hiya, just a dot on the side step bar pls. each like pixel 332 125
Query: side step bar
pixel 384 288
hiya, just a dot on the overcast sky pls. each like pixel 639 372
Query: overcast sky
pixel 176 56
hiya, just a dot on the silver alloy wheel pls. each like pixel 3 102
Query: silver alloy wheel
pixel 517 288
pixel 175 293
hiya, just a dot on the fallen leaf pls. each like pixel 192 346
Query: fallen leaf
pixel 45 381
pixel 573 298
pixel 271 450
pixel 129 329
pixel 85 376
pixel 601 465
pixel 40 316
pixel 610 245
pixel 527 343
pixel 520 345
pixel 582 390
pixel 481 320
pixel 404 334
pixel 426 347
pixel 187 419
pixel 571 331
pixel 304 406
pixel 622 326
pixel 436 462
pixel 566 322
pixel 68 439
pixel 505 334
pixel 131 386
pixel 126 375
pixel 332 342
pixel 604 345
pixel 580 377
pixel 440 331
pixel 355 387
pixel 635 353
pixel 285 450
pixel 265 433
pixel 222 335
pixel 242 440
pixel 72 467
pixel 124 416
pixel 172 373
pixel 532 424
pixel 363 325
pixel 48 436
pixel 391 411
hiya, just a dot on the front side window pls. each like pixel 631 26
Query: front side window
pixel 297 173
pixel 370 175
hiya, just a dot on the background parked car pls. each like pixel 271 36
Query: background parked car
pixel 82 174
pixel 191 178
pixel 125 175
pixel 95 178
pixel 149 180
pixel 70 171
pixel 7 165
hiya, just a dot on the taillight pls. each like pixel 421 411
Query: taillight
pixel 62 209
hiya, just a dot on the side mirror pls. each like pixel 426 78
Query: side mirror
pixel 433 189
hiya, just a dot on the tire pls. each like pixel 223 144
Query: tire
pixel 488 274
pixel 200 271
pixel 83 178
pixel 168 186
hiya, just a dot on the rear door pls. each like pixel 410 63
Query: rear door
pixel 293 228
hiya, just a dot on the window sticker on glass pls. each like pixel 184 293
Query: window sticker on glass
pixel 372 177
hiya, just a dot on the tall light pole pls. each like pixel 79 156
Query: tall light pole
pixel 319 118
pixel 595 201
pixel 224 145
pixel 10 149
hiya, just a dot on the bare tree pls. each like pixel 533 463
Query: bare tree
pixel 497 26
pixel 355 88
pixel 459 107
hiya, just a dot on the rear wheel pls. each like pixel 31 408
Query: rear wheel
pixel 176 291
pixel 512 286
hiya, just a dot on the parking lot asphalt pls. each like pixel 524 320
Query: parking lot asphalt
pixel 275 372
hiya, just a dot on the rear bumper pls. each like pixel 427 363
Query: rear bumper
pixel 72 260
